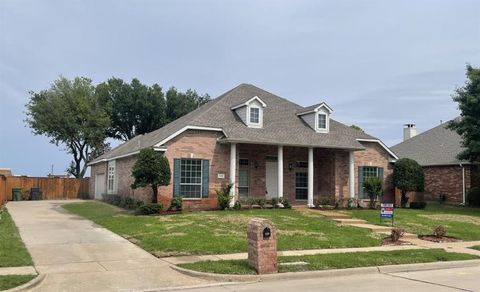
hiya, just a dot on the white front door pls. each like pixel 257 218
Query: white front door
pixel 99 186
pixel 271 179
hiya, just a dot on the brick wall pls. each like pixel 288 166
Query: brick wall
pixel 446 180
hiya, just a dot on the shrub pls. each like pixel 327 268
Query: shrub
pixel 439 231
pixel 408 177
pixel 261 203
pixel 149 209
pixel 250 202
pixel 176 204
pixel 373 187
pixel 473 197
pixel 274 202
pixel 396 234
pixel 237 206
pixel 285 203
pixel 418 205
pixel 223 197
pixel 112 199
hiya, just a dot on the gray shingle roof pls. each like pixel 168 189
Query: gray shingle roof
pixel 280 125
pixel 437 146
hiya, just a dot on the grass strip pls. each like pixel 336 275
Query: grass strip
pixel 12 249
pixel 11 281
pixel 334 261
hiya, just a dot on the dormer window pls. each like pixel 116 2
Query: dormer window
pixel 317 117
pixel 254 115
pixel 251 112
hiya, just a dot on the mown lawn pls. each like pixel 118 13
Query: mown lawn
pixel 12 250
pixel 11 281
pixel 334 261
pixel 460 222
pixel 477 247
pixel 218 232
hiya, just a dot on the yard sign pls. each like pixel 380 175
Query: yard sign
pixel 386 211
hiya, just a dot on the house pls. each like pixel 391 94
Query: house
pixel 436 151
pixel 266 146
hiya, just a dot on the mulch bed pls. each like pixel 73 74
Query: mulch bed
pixel 438 239
pixel 388 241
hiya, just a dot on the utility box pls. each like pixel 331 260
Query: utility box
pixel 262 246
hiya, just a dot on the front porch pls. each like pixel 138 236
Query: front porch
pixel 301 175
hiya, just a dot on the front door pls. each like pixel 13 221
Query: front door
pixel 271 179
pixel 99 186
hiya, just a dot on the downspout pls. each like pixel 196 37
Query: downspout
pixel 463 184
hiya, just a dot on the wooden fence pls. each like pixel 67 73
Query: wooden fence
pixel 52 188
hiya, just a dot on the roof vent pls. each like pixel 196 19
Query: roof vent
pixel 409 131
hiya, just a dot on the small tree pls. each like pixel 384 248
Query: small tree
pixel 151 169
pixel 374 187
pixel 408 177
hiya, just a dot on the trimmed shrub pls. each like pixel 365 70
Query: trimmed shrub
pixel 223 197
pixel 439 231
pixel 237 206
pixel 285 203
pixel 274 203
pixel 473 197
pixel 149 209
pixel 176 204
pixel 418 205
pixel 261 203
pixel 396 234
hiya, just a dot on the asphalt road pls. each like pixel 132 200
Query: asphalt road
pixel 457 279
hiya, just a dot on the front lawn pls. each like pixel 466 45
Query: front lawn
pixel 11 281
pixel 12 250
pixel 477 247
pixel 219 232
pixel 460 222
pixel 334 261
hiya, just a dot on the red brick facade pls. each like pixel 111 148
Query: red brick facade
pixel 446 180
pixel 330 169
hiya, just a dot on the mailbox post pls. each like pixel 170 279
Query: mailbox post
pixel 262 246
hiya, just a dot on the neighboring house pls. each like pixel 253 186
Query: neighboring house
pixel 265 145
pixel 436 151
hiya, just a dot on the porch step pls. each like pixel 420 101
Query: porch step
pixel 349 221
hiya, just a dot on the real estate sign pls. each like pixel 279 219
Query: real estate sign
pixel 386 211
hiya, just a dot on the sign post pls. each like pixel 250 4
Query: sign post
pixel 386 211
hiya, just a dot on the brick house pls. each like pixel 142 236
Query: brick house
pixel 436 151
pixel 265 145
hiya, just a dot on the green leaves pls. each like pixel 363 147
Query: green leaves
pixel 408 175
pixel 468 125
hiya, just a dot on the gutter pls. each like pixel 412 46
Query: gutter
pixel 463 184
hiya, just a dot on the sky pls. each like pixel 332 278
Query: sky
pixel 378 64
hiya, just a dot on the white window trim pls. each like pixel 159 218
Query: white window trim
pixel 327 122
pixel 260 117
pixel 112 164
pixel 192 184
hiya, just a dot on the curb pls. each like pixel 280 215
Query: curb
pixel 29 285
pixel 329 273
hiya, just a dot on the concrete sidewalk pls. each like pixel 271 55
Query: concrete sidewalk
pixel 77 255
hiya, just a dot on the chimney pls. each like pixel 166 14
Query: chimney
pixel 409 131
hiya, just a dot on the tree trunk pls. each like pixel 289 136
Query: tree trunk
pixel 155 194
pixel 404 199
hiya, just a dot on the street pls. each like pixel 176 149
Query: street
pixel 458 279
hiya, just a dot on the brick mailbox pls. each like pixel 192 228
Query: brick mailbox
pixel 262 246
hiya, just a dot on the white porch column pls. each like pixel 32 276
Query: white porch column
pixel 280 171
pixel 310 178
pixel 351 174
pixel 233 171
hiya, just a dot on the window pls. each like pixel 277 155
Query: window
pixel 111 177
pixel 243 162
pixel 322 121
pixel 301 186
pixel 302 164
pixel 243 182
pixel 369 171
pixel 191 178
pixel 254 115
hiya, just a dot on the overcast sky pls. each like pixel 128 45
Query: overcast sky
pixel 378 64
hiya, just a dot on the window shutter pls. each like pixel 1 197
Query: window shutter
pixel 360 182
pixel 205 174
pixel 380 173
pixel 176 177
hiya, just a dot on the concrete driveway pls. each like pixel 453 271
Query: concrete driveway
pixel 78 255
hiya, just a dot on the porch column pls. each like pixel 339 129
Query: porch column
pixel 351 174
pixel 233 171
pixel 280 171
pixel 310 178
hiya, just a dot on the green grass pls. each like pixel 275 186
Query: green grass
pixel 334 261
pixel 12 250
pixel 218 232
pixel 460 222
pixel 11 281
pixel 477 247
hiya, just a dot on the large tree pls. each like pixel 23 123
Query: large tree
pixel 151 169
pixel 179 103
pixel 70 115
pixel 468 124
pixel 134 108
pixel 408 177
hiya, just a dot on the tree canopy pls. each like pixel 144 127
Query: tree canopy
pixel 69 114
pixel 179 103
pixel 357 128
pixel 408 177
pixel 151 169
pixel 468 124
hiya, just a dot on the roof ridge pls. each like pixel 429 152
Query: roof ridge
pixel 422 134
